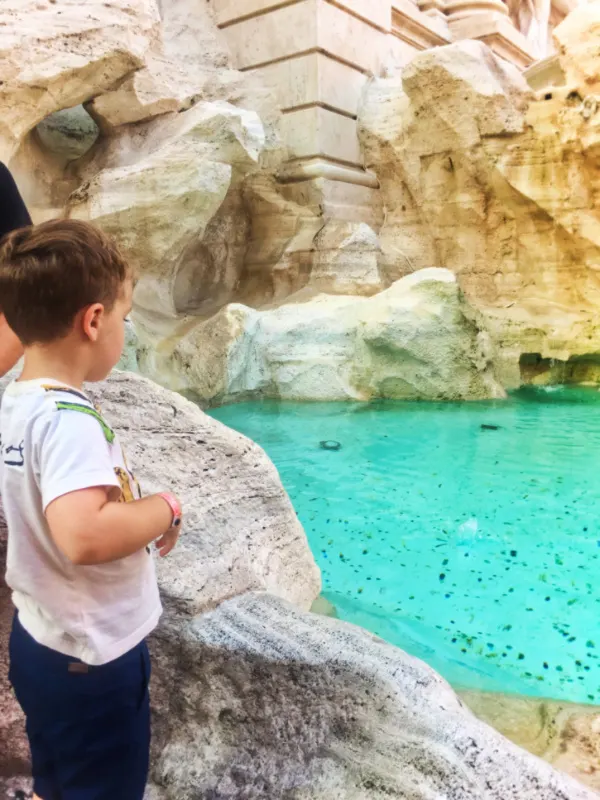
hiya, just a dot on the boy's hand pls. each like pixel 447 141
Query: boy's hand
pixel 89 529
pixel 167 541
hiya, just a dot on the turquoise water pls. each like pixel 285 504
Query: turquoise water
pixel 474 548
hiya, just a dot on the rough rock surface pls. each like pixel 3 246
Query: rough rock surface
pixel 56 55
pixel 480 177
pixel 128 361
pixel 190 64
pixel 424 134
pixel 281 240
pixel 160 206
pixel 417 339
pixel 346 260
pixel 272 702
pixel 577 39
pixel 147 93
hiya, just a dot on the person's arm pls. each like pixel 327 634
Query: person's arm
pixel 10 347
pixel 13 211
pixel 13 214
pixel 90 529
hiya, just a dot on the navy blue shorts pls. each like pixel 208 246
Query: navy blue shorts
pixel 88 727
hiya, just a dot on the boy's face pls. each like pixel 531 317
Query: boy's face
pixel 111 335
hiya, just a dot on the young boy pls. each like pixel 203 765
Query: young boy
pixel 79 563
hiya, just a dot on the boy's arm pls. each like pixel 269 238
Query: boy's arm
pixel 77 481
pixel 88 528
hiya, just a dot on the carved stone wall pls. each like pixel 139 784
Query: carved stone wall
pixel 317 56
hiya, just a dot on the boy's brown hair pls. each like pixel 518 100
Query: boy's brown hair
pixel 49 272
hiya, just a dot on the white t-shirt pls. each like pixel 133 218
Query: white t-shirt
pixel 52 442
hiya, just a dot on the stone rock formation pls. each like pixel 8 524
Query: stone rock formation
pixel 79 51
pixel 417 339
pixel 346 260
pixel 282 703
pixel 179 156
pixel 480 177
pixel 291 245
pixel 128 361
pixel 577 39
pixel 160 207
pixel 159 150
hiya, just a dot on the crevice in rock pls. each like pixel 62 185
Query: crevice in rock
pixel 538 370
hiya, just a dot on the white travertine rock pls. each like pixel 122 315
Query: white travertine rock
pixel 272 702
pixel 145 94
pixel 578 41
pixel 468 91
pixel 56 55
pixel 161 204
pixel 128 361
pixel 417 339
pixel 188 64
pixel 241 532
pixel 481 178
pixel 346 260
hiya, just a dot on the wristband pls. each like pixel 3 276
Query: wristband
pixel 175 507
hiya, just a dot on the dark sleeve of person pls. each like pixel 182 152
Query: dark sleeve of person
pixel 13 211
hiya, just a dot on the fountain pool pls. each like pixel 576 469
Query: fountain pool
pixel 466 533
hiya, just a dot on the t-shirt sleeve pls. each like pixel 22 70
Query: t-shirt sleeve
pixel 73 454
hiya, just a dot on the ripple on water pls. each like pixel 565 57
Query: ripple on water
pixel 475 548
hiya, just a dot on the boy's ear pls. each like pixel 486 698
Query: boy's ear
pixel 91 321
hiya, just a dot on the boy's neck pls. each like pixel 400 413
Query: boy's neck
pixel 58 362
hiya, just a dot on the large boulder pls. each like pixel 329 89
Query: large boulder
pixel 159 204
pixel 56 55
pixel 260 700
pixel 417 339
pixel 480 177
pixel 424 134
